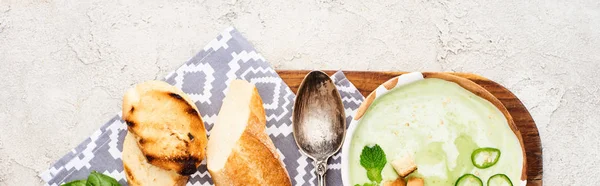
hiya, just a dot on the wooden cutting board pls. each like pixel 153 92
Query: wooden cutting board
pixel 367 81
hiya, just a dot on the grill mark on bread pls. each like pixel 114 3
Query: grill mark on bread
pixel 191 111
pixel 143 141
pixel 187 107
pixel 130 123
pixel 129 174
pixel 189 165
pixel 190 136
pixel 176 96
pixel 150 158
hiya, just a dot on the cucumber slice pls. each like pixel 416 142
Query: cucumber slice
pixel 485 157
pixel 468 180
pixel 499 180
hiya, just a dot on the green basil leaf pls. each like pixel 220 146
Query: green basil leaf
pixel 75 183
pixel 99 179
pixel 367 184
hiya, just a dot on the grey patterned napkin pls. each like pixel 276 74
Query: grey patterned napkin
pixel 205 78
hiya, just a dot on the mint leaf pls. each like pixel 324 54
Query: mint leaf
pixel 366 184
pixel 98 179
pixel 75 183
pixel 374 175
pixel 373 159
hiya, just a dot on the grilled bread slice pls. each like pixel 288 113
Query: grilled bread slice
pixel 141 173
pixel 166 125
pixel 239 150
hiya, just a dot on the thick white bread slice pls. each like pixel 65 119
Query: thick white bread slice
pixel 140 173
pixel 167 126
pixel 239 151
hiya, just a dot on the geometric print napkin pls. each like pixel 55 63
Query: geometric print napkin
pixel 205 78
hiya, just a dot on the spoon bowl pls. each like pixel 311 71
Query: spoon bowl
pixel 319 122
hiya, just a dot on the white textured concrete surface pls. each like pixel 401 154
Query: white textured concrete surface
pixel 66 64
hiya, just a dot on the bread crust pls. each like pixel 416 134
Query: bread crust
pixel 254 160
pixel 140 173
pixel 167 126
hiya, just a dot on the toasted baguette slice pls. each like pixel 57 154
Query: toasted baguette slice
pixel 239 150
pixel 140 173
pixel 167 126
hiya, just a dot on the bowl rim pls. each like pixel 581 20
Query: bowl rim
pixel 411 77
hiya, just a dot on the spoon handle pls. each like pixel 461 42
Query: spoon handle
pixel 321 169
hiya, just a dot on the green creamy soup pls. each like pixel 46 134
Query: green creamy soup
pixel 439 124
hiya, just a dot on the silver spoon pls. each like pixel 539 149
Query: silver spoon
pixel 319 120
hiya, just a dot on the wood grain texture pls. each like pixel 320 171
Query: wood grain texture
pixel 367 81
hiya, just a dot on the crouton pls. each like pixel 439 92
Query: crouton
pixel 404 166
pixel 398 182
pixel 415 182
